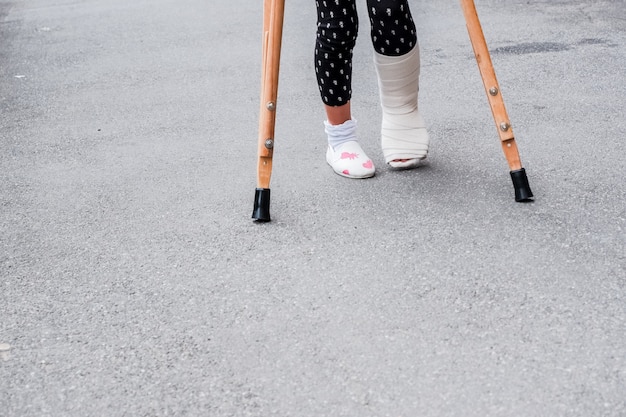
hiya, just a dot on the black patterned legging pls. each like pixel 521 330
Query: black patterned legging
pixel 393 34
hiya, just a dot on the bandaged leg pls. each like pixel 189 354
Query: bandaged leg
pixel 404 137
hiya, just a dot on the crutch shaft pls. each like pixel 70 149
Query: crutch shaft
pixel 272 39
pixel 490 82
pixel 496 102
pixel 273 12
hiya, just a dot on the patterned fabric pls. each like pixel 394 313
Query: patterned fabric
pixel 392 32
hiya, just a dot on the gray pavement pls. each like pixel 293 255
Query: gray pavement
pixel 134 283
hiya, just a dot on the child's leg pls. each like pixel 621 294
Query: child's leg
pixel 337 28
pixel 404 137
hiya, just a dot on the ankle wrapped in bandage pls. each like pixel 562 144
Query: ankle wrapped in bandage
pixel 403 134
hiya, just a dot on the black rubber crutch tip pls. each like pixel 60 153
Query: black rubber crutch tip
pixel 523 193
pixel 261 212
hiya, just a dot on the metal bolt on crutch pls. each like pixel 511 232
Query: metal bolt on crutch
pixel 494 95
pixel 273 13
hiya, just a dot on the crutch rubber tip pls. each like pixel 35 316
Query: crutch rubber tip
pixel 522 188
pixel 261 212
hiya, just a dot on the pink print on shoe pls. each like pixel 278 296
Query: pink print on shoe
pixel 349 155
pixel 368 164
pixel 346 172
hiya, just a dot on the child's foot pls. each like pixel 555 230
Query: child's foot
pixel 404 139
pixel 349 160
pixel 344 154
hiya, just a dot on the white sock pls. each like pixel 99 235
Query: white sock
pixel 339 134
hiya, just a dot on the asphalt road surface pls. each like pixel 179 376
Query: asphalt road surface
pixel 133 281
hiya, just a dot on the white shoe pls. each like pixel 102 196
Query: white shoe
pixel 349 160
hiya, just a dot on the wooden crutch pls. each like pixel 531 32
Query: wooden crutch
pixel 503 124
pixel 273 13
